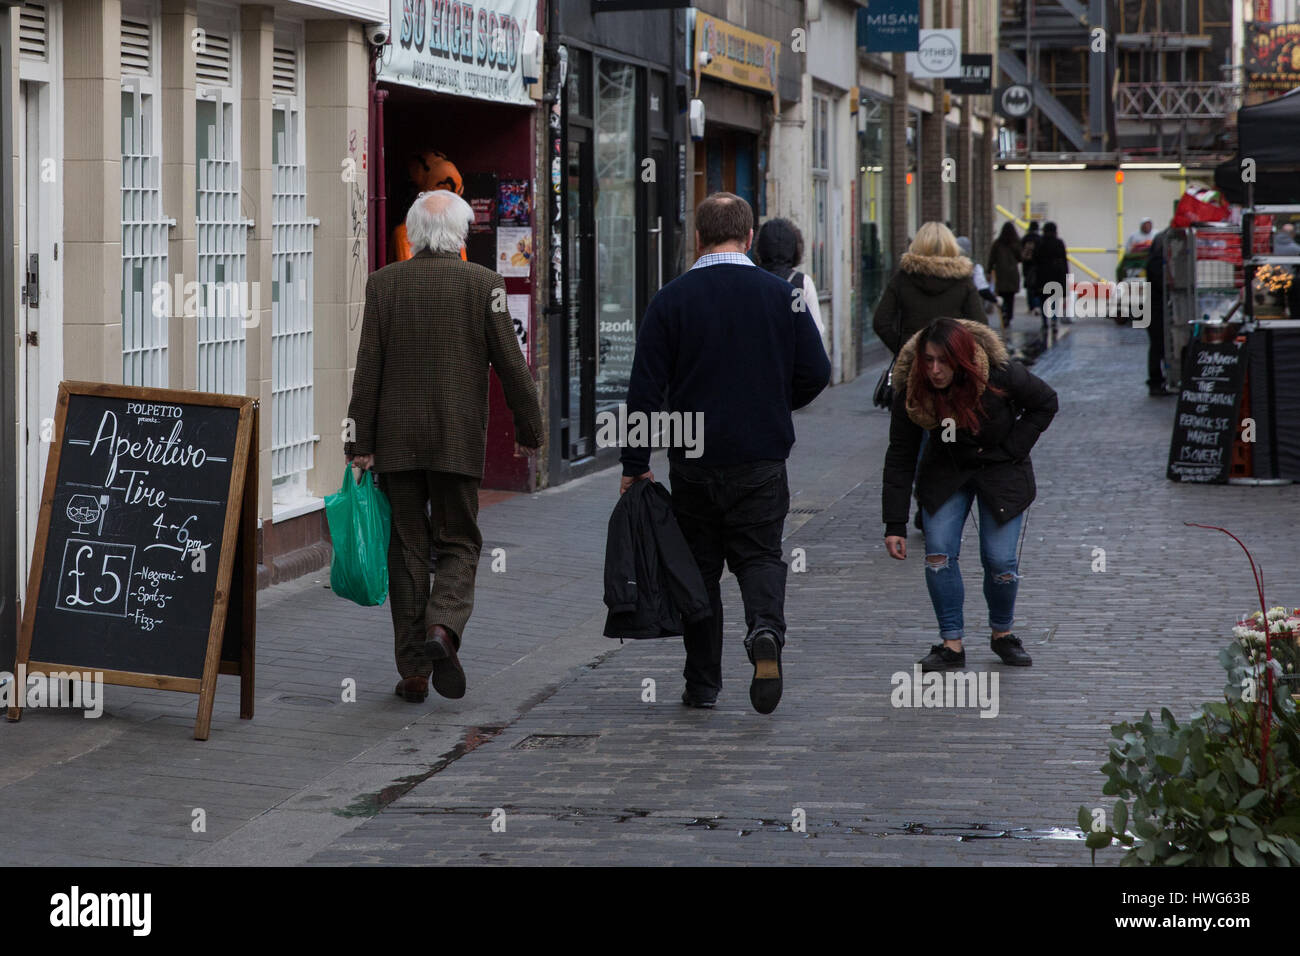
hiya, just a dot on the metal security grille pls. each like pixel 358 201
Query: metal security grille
pixel 144 248
pixel 292 437
pixel 224 298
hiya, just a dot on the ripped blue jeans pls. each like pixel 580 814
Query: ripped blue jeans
pixel 998 546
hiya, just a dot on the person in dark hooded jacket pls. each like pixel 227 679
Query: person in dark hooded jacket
pixel 1052 267
pixel 933 280
pixel 780 251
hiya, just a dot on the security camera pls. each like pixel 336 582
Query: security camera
pixel 705 58
pixel 377 33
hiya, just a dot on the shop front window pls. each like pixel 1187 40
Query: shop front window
pixel 874 204
pixel 617 175
pixel 821 174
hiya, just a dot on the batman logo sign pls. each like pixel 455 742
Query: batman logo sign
pixel 1016 101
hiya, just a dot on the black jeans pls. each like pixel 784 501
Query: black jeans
pixel 1008 307
pixel 735 513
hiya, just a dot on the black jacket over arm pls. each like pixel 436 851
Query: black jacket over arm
pixel 652 584
pixel 995 458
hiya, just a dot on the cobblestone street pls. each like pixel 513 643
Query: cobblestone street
pixel 595 775
pixel 555 731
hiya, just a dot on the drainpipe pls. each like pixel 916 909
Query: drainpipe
pixel 377 207
pixel 380 258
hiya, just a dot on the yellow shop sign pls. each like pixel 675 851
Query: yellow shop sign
pixel 738 56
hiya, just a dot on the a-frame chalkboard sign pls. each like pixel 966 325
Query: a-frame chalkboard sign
pixel 144 568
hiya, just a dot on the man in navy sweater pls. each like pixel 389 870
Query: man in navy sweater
pixel 736 345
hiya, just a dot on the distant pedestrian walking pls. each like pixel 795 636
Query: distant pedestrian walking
pixel 1033 287
pixel 1051 267
pixel 725 341
pixel 1156 387
pixel 433 325
pixel 1004 270
pixel 933 279
pixel 780 251
pixel 983 413
pixel 981 281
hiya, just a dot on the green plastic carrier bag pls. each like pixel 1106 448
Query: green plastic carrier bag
pixel 359 518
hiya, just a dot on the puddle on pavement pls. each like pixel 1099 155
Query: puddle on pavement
pixel 369 804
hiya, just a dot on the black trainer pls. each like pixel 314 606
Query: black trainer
pixel 942 656
pixel 704 703
pixel 1011 651
pixel 765 687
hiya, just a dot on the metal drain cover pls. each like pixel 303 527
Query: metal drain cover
pixel 557 742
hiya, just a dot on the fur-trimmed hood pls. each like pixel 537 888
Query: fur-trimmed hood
pixel 933 274
pixel 990 355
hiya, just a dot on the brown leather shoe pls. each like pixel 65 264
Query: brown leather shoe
pixel 415 689
pixel 448 678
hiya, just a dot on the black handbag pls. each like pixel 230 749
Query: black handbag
pixel 883 397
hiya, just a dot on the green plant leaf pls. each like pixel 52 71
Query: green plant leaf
pixel 1085 819
pixel 1251 799
pixel 1169 764
pixel 1248 772
pixel 1121 816
pixel 1219 836
pixel 1244 856
pixel 1178 859
pixel 1221 855
pixel 1097 841
pixel 1144 828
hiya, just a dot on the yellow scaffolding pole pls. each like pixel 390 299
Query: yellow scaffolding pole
pixel 1119 216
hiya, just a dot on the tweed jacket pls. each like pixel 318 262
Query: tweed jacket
pixel 432 326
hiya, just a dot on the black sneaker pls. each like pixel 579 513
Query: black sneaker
pixel 765 687
pixel 1011 651
pixel 942 656
pixel 703 703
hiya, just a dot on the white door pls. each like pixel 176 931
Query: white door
pixel 40 326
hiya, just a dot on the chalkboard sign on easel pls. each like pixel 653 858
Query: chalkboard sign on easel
pixel 144 568
pixel 1206 423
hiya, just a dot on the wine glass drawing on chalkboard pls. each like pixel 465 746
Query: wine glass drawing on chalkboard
pixel 87 509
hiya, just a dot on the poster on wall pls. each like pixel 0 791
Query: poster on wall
pixel 518 307
pixel 514 251
pixel 1272 57
pixel 462 48
pixel 513 202
pixel 484 215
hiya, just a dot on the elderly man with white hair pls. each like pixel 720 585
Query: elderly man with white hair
pixel 433 325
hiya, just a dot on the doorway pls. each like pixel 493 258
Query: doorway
pixel 39 319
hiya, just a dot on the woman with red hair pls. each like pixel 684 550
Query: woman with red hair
pixel 983 412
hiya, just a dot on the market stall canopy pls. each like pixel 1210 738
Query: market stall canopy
pixel 1268 133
